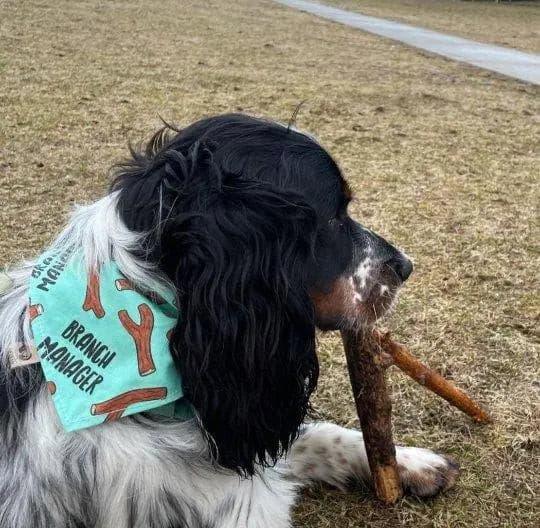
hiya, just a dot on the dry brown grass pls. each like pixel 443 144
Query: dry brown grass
pixel 514 24
pixel 443 159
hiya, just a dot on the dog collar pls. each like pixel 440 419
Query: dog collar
pixel 103 345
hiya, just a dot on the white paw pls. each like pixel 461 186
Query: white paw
pixel 425 473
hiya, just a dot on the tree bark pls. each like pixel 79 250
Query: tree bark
pixel 430 379
pixel 374 408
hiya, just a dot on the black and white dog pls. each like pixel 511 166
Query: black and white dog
pixel 247 220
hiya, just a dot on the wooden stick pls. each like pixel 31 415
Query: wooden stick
pixel 368 356
pixel 430 379
pixel 374 408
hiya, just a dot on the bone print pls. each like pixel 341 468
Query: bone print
pixel 115 407
pixel 92 300
pixel 51 387
pixel 141 334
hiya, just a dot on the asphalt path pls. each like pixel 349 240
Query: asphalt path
pixel 507 61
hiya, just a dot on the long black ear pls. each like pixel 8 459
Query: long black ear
pixel 238 251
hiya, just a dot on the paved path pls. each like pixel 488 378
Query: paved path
pixel 508 61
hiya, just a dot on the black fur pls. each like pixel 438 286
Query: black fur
pixel 17 387
pixel 235 210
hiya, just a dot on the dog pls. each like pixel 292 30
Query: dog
pixel 246 221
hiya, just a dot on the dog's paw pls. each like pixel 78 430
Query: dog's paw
pixel 425 473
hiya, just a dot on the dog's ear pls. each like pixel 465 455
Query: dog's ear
pixel 238 251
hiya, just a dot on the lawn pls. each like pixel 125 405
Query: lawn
pixel 443 159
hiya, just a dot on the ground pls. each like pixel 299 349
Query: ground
pixel 443 159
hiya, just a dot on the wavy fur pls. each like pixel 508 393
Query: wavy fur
pixel 237 249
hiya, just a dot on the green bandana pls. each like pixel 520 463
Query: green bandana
pixel 103 345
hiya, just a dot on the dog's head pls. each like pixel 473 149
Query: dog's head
pixel 249 220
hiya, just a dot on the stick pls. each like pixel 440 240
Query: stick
pixel 374 408
pixel 115 407
pixel 35 310
pixel 422 374
pixel 142 336
pixel 92 300
pixel 125 284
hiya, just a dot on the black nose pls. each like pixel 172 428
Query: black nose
pixel 401 266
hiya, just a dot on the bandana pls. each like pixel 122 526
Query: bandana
pixel 103 344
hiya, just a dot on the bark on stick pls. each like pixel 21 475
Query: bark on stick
pixel 430 379
pixel 374 408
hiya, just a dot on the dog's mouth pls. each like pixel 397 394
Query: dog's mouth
pixel 356 300
pixel 374 300
pixel 375 292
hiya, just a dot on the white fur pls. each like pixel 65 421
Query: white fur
pixel 362 276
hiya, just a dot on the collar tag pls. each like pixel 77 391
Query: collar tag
pixel 22 356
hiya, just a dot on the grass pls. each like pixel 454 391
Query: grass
pixel 443 159
pixel 513 24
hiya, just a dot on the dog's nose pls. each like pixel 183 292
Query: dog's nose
pixel 401 266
